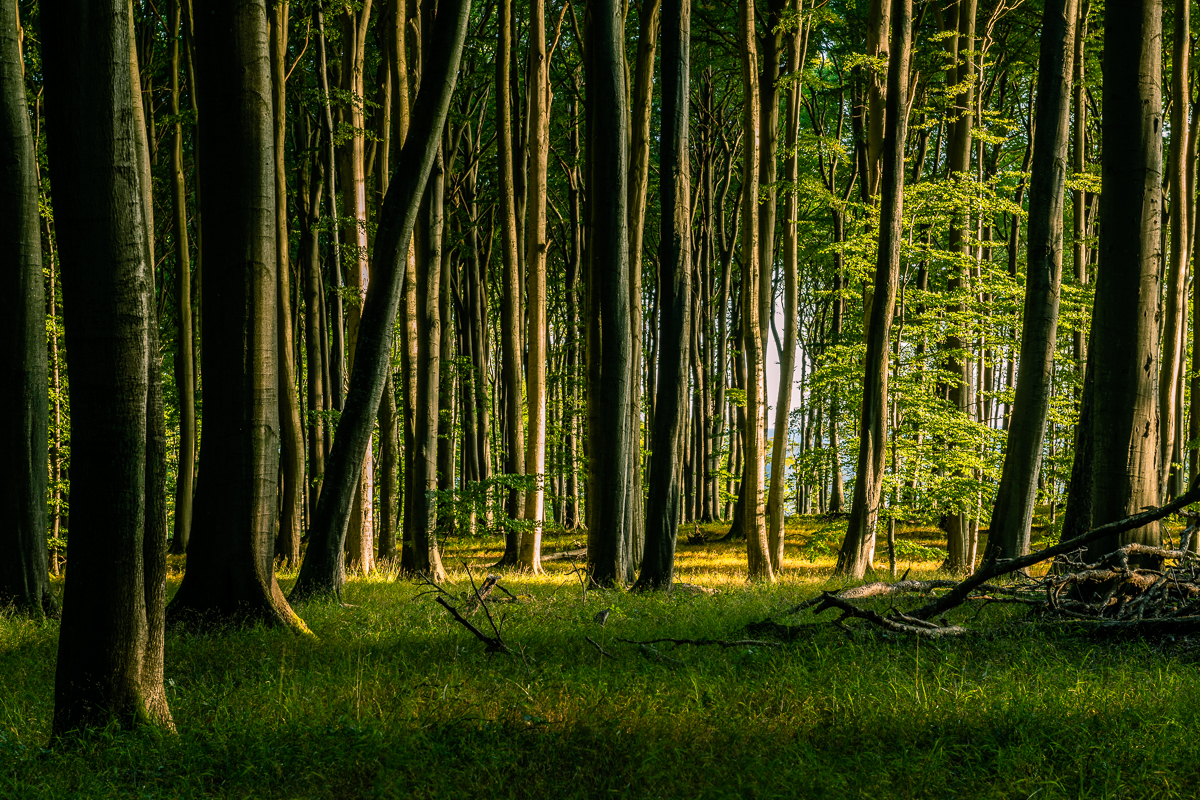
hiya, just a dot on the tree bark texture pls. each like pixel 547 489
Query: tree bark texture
pixel 24 405
pixel 1015 498
pixel 610 340
pixel 1125 324
pixel 230 572
pixel 754 475
pixel 858 548
pixel 110 643
pixel 675 303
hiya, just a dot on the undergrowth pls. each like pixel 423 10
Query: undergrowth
pixel 394 699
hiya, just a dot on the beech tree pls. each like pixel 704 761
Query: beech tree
pixel 110 656
pixel 230 568
pixel 24 409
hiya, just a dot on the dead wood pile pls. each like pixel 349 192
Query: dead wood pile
pixel 1136 590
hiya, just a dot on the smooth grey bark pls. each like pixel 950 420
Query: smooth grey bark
pixel 24 406
pixel 858 547
pixel 110 644
pixel 1013 512
pixel 322 572
pixel 675 303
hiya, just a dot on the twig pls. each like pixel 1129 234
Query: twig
pixel 603 652
pixel 702 642
pixel 493 645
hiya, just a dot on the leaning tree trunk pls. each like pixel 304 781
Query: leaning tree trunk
pixel 675 304
pixel 24 406
pixel 1013 513
pixel 230 574
pixel 111 639
pixel 1125 324
pixel 858 548
pixel 610 340
pixel 322 572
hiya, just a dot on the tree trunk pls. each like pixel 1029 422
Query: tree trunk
pixel 1015 498
pixel 610 340
pixel 291 519
pixel 360 537
pixel 858 548
pixel 230 573
pixel 1125 325
pixel 753 480
pixel 111 639
pixel 787 358
pixel 322 572
pixel 24 406
pixel 185 354
pixel 510 298
pixel 675 304
pixel 1174 349
pixel 530 557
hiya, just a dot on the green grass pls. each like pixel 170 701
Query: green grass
pixel 393 699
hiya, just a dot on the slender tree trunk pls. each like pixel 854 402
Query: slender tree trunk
pixel 675 322
pixel 1174 349
pixel 535 284
pixel 291 519
pixel 787 358
pixel 858 548
pixel 753 479
pixel 185 365
pixel 322 572
pixel 110 643
pixel 1125 440
pixel 1013 512
pixel 510 298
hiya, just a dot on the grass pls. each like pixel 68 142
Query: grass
pixel 393 699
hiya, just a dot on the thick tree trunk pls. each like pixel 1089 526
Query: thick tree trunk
pixel 1013 512
pixel 610 340
pixel 322 572
pixel 24 406
pixel 858 548
pixel 675 323
pixel 230 573
pixel 1125 470
pixel 110 644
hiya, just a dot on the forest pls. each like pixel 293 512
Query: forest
pixel 449 398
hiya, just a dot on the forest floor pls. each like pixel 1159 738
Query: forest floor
pixel 393 698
